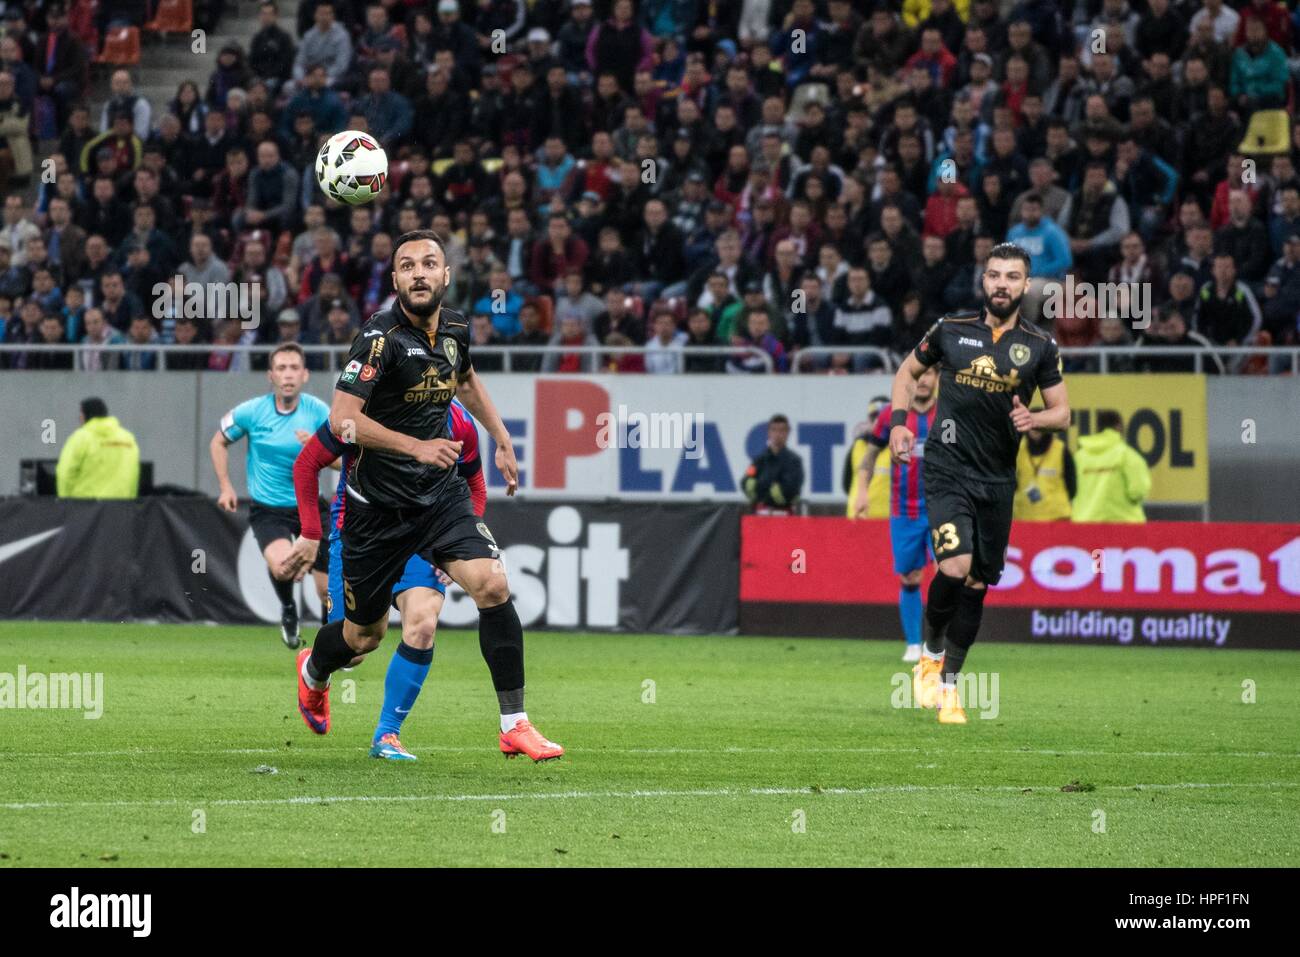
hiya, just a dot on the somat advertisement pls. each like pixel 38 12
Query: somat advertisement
pixel 1158 584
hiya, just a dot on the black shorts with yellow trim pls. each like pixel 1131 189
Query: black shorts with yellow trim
pixel 970 518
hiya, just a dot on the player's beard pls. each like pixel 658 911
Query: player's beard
pixel 426 309
pixel 1003 311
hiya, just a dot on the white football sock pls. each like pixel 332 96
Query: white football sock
pixel 508 721
pixel 312 683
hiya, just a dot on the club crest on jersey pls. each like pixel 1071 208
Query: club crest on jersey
pixel 449 347
pixel 1019 353
pixel 983 374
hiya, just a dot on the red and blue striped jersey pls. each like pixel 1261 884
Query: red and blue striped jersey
pixel 906 487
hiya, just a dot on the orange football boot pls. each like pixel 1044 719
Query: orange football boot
pixel 925 681
pixel 313 705
pixel 950 710
pixel 523 738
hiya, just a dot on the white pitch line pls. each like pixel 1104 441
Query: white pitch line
pixel 620 795
pixel 453 749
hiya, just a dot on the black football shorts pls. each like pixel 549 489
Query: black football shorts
pixel 272 522
pixel 969 518
pixel 378 542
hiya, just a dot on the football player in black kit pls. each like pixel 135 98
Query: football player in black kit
pixel 990 364
pixel 405 495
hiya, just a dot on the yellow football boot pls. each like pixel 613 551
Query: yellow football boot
pixel 925 681
pixel 950 711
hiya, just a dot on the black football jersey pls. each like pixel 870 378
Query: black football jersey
pixel 973 436
pixel 406 381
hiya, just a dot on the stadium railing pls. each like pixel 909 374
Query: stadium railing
pixel 336 355
pixel 1103 353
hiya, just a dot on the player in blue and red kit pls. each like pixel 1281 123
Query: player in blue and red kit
pixel 909 528
pixel 420 592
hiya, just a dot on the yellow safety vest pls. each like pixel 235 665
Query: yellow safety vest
pixel 877 488
pixel 1048 474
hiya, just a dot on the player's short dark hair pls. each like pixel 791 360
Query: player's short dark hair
pixel 1010 251
pixel 287 347
pixel 779 419
pixel 94 408
pixel 1109 419
pixel 415 236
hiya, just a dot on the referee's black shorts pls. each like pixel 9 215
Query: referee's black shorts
pixel 970 518
pixel 273 522
pixel 378 542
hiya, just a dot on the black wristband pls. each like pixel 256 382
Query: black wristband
pixel 897 417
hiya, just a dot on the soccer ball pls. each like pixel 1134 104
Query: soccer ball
pixel 351 167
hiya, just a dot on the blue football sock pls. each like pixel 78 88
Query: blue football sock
pixel 402 682
pixel 909 609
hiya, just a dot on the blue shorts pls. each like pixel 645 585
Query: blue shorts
pixel 418 573
pixel 909 537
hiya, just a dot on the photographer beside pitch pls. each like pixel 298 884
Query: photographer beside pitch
pixel 990 364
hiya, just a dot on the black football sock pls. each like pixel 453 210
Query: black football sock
pixel 940 604
pixel 501 639
pixel 283 591
pixel 329 652
pixel 962 630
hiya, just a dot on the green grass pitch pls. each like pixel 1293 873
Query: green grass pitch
pixel 754 751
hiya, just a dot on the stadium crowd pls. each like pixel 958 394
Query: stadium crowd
pixel 778 174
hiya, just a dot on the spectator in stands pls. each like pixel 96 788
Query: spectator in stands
pixel 15 143
pixel 756 332
pixel 1113 478
pixel 272 201
pixel 1170 329
pixel 272 52
pixel 1282 296
pixel 327 44
pixel 574 300
pixel 99 333
pixel 664 347
pixel 100 459
pixel 339 328
pixel 774 480
pixel 1259 71
pixel 186 332
pixel 570 333
pixel 531 334
pixel 17 229
pixel 62 63
pixel 559 253
pixel 1244 237
pixel 618 316
pixel 141 332
pixel 123 99
pixel 118 305
pixel 502 303
pixel 1228 313
pixel 1096 219
pixel 482 333
pixel 863 319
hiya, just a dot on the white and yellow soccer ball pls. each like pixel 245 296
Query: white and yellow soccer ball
pixel 352 167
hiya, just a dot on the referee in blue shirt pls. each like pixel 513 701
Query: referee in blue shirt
pixel 276 425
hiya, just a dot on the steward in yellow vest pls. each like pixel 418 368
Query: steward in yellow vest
pixel 1045 478
pixel 877 488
